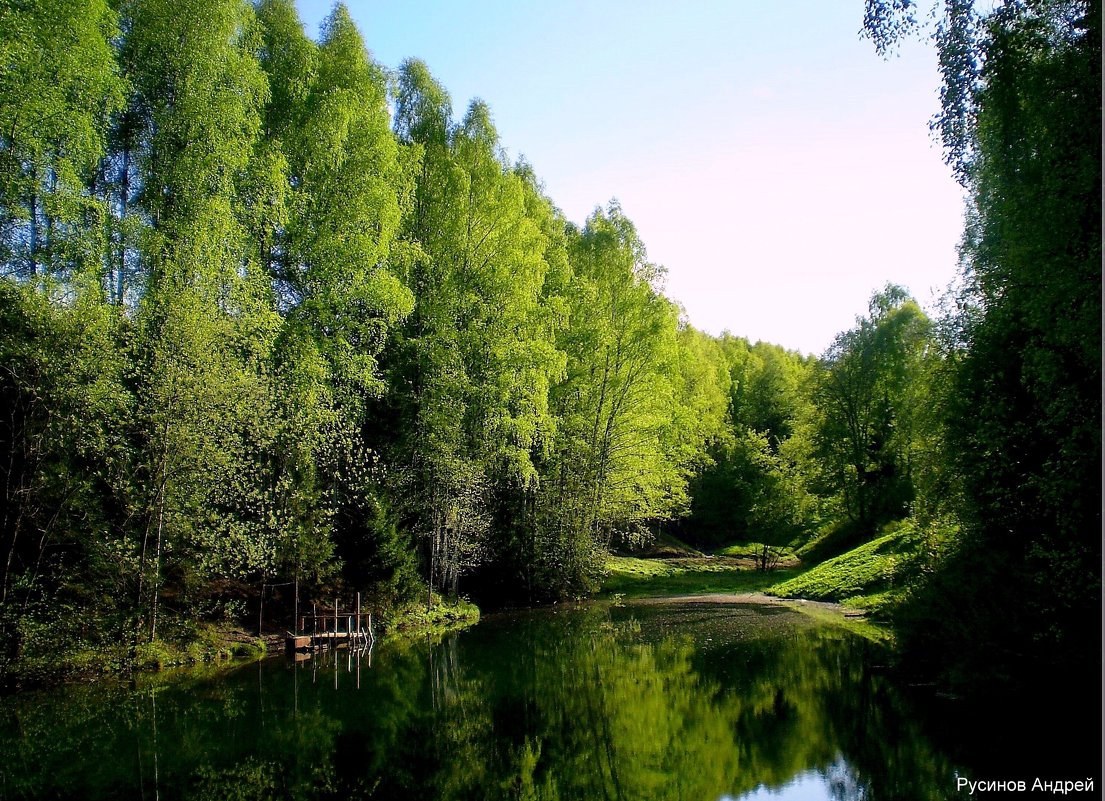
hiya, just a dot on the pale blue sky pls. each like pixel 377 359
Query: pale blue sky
pixel 770 159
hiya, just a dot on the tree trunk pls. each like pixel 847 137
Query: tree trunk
pixel 124 199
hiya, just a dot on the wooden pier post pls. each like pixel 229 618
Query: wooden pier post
pixel 358 613
pixel 335 621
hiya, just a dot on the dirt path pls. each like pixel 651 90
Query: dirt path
pixel 752 598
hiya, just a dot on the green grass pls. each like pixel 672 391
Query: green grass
pixel 751 550
pixel 209 643
pixel 859 626
pixel 834 540
pixel 863 577
pixel 416 619
pixel 632 577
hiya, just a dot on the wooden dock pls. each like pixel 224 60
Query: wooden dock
pixel 327 630
pixel 326 639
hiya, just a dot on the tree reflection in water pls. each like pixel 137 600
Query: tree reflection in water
pixel 675 701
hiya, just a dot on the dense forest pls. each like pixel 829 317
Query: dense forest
pixel 278 327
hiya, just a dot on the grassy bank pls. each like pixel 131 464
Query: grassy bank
pixel 868 577
pixel 858 580
pixel 419 620
pixel 45 661
pixel 633 577
pixel 48 659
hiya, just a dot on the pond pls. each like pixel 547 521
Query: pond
pixel 674 700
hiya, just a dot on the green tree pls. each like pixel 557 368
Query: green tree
pixel 1020 123
pixel 475 361
pixel 334 253
pixel 868 403
pixel 346 197
pixel 58 89
pixel 518 544
pixel 609 474
pixel 699 413
pixel 203 329
pixel 757 486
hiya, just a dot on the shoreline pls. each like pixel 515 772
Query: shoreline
pixel 850 618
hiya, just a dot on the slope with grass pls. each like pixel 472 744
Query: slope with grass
pixel 870 576
pixel 633 577
pixel 661 546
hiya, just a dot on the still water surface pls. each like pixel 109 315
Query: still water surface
pixel 646 701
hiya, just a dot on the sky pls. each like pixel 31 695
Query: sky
pixel 777 166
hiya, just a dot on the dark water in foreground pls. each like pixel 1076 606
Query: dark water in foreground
pixel 671 701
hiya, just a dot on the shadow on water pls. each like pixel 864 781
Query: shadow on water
pixel 680 701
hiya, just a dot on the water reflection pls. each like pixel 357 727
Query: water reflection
pixel 686 701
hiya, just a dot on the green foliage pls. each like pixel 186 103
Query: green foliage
pixel 759 481
pixel 1031 372
pixel 1020 593
pixel 58 89
pixel 416 619
pixel 869 402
